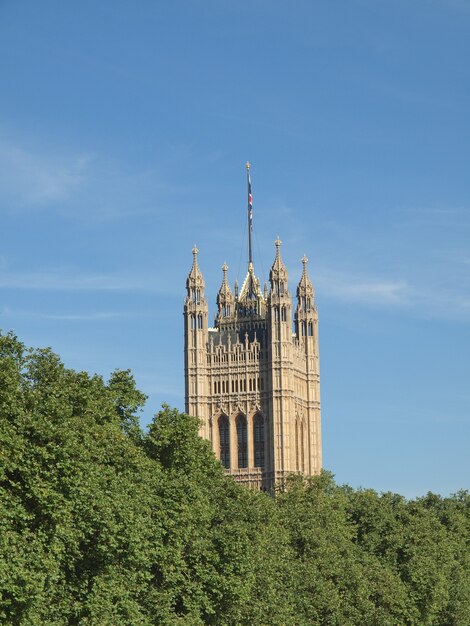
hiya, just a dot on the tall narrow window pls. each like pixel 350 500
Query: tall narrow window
pixel 310 329
pixel 302 447
pixel 199 321
pixel 224 438
pixel 283 314
pixel 258 439
pixel 297 445
pixel 242 441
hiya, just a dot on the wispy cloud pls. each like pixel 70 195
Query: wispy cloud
pixel 363 289
pixel 67 317
pixel 422 300
pixel 69 280
pixel 83 186
pixel 29 179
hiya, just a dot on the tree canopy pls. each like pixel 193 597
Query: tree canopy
pixel 104 524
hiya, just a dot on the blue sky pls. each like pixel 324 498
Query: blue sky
pixel 124 132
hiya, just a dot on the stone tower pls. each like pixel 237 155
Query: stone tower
pixel 252 380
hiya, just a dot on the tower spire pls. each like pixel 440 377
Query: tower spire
pixel 250 214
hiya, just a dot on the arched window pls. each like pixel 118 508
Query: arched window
pixel 310 329
pixel 304 329
pixel 283 314
pixel 199 321
pixel 193 322
pixel 242 441
pixel 224 439
pixel 302 447
pixel 276 314
pixel 258 439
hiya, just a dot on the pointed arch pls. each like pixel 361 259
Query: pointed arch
pixel 242 440
pixel 224 440
pixel 258 439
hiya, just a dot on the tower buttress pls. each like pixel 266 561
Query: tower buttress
pixel 306 331
pixel 281 363
pixel 195 342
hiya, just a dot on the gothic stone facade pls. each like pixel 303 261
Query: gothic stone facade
pixel 253 382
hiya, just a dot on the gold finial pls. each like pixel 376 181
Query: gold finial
pixel 225 268
pixel 248 166
pixel 195 250
pixel 304 259
pixel 278 242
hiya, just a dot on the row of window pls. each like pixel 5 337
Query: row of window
pixel 226 310
pixel 248 311
pixel 283 314
pixel 242 441
pixel 195 321
pixel 305 302
pixel 279 288
pixel 306 329
pixel 196 295
pixel 224 357
pixel 254 384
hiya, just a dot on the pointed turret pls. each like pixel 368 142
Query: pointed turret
pixel 305 289
pixel 225 298
pixel 305 313
pixel 278 274
pixel 195 282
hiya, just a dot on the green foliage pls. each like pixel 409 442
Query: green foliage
pixel 101 524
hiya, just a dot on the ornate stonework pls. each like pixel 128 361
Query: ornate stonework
pixel 254 382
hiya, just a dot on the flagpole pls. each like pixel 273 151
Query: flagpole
pixel 250 214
